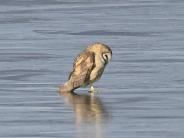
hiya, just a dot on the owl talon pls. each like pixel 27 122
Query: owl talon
pixel 92 90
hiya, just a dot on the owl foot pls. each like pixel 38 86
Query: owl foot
pixel 93 90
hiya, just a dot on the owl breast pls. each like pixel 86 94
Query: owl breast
pixel 96 73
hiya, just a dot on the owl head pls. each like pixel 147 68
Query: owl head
pixel 101 50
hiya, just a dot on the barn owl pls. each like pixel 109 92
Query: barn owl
pixel 88 67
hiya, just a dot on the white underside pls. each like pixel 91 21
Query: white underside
pixel 95 75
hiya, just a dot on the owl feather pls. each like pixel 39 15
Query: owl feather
pixel 82 67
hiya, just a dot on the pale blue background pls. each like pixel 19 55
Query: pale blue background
pixel 141 91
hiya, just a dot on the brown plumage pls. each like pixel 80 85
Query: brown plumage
pixel 88 67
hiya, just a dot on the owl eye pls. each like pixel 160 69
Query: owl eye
pixel 105 57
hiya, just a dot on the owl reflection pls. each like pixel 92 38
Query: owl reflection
pixel 88 67
pixel 88 109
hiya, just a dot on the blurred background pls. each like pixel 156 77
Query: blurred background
pixel 141 91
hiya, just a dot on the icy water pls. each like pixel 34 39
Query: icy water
pixel 141 91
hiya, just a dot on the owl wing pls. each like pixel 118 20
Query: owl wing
pixel 82 67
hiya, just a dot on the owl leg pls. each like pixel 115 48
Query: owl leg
pixel 92 90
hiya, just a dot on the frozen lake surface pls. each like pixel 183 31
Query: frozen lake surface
pixel 141 91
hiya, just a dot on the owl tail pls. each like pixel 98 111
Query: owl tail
pixel 67 87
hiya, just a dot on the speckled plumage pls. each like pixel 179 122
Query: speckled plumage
pixel 88 67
